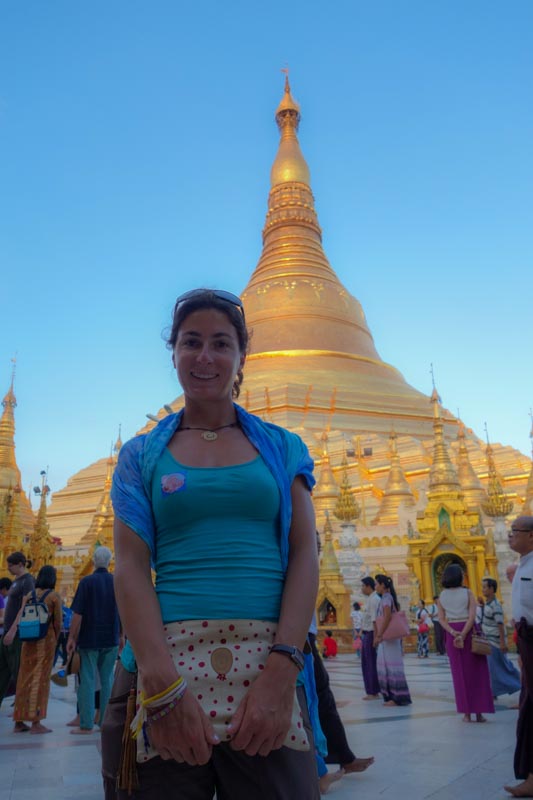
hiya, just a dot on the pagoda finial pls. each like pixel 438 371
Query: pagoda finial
pixel 498 504
pixel 442 475
pixel 289 165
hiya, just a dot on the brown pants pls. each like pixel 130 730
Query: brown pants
pixel 283 775
pixel 523 757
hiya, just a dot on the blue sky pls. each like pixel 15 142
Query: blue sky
pixel 137 140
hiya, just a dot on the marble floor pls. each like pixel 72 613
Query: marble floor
pixel 423 751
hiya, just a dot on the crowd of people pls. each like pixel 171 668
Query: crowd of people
pixel 90 628
pixel 217 684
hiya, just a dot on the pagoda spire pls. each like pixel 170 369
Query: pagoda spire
pixel 294 299
pixel 347 508
pixel 326 485
pixel 289 165
pixel 498 503
pixel 443 478
pixel 100 531
pixel 329 566
pixel 473 491
pixel 397 490
pixel 41 546
pixel 528 502
pixel 9 472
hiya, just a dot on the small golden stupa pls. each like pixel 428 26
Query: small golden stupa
pixel 16 516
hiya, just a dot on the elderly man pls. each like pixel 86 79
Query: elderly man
pixel 521 541
pixel 94 629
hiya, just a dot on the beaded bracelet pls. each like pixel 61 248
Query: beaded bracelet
pixel 151 718
pixel 161 701
pixel 161 697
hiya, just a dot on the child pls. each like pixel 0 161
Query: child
pixel 330 646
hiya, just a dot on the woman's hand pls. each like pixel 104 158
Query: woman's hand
pixel 378 638
pixel 263 717
pixel 186 734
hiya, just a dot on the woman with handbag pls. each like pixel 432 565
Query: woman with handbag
pixel 423 619
pixel 216 502
pixel 391 673
pixel 470 671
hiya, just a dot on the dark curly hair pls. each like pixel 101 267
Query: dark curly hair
pixel 206 298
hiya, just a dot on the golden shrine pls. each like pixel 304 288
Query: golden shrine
pixel 417 485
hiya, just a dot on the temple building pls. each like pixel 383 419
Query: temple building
pixel 413 481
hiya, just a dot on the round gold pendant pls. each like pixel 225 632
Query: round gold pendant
pixel 209 436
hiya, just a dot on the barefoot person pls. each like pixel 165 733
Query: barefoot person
pixel 521 541
pixel 470 671
pixel 391 672
pixel 504 676
pixel 36 658
pixel 369 654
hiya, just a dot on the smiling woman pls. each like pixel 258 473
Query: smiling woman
pixel 218 503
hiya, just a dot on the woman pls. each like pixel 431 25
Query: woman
pixel 36 658
pixel 470 672
pixel 218 502
pixel 391 674
pixel 423 619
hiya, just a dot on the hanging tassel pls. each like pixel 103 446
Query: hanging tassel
pixel 127 779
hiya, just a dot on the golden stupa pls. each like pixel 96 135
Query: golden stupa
pixel 16 516
pixel 314 369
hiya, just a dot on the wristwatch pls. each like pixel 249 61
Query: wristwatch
pixel 292 652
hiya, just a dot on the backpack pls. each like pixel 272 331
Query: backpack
pixel 35 618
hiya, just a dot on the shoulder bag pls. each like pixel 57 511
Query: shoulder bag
pixel 397 628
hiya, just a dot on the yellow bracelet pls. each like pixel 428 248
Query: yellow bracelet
pixel 148 700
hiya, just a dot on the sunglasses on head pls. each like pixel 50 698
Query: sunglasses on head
pixel 221 294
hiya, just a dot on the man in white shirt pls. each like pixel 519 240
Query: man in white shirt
pixel 369 652
pixel 521 541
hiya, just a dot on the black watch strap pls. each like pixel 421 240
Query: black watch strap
pixel 292 652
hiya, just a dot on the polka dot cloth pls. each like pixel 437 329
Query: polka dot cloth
pixel 219 659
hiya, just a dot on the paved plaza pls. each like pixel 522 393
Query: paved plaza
pixel 424 751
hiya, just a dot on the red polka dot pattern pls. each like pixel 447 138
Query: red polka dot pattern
pixel 189 649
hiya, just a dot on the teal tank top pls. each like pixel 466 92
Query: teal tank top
pixel 217 532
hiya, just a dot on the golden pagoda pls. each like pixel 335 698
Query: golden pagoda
pixel 326 489
pixel 313 367
pixel 497 504
pixel 16 516
pixel 41 547
pixel 473 492
pixel 333 600
pixel 397 491
pixel 347 508
pixel 448 531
